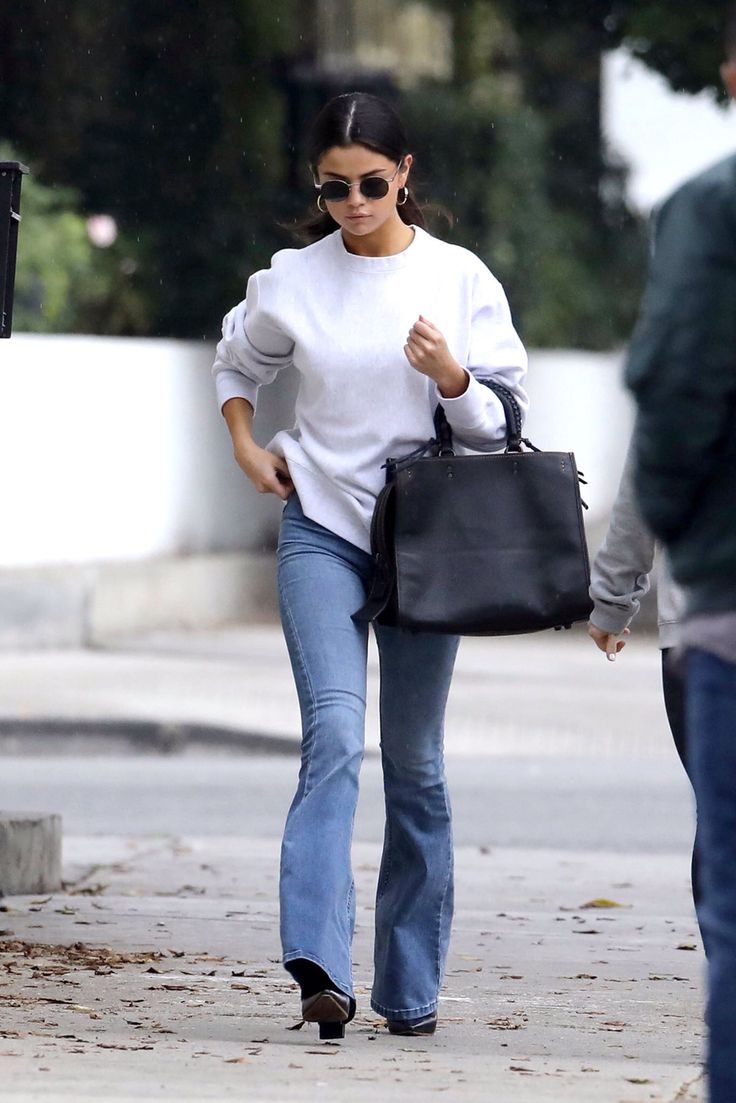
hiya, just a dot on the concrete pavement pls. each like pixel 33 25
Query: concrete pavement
pixel 547 997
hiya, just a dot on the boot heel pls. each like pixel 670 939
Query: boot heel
pixel 330 1009
pixel 330 1031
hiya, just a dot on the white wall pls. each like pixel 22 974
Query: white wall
pixel 663 136
pixel 114 449
pixel 579 404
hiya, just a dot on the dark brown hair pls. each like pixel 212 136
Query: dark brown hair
pixel 357 118
pixel 730 35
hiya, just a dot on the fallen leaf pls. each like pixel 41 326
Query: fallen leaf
pixel 119 1045
pixel 603 902
pixel 170 988
pixel 503 1022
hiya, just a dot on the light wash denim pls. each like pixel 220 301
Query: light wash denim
pixel 322 581
pixel 711 743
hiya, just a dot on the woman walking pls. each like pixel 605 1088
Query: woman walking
pixel 382 322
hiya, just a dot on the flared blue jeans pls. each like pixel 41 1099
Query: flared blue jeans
pixel 711 742
pixel 323 580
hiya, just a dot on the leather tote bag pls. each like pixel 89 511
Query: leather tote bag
pixel 480 545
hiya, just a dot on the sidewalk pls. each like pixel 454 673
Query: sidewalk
pixel 236 684
pixel 155 975
pixel 545 999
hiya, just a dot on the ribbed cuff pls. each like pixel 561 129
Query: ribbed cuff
pixel 609 618
pixel 470 410
pixel 230 383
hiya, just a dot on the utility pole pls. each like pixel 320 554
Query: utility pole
pixel 11 177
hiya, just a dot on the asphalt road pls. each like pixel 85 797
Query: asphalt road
pixel 612 803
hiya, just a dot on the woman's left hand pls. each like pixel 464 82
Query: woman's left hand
pixel 427 352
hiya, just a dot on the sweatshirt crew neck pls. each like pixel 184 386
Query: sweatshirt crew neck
pixel 377 265
pixel 359 399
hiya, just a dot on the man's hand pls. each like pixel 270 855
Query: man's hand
pixel 607 642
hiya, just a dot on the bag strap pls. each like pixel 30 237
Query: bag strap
pixel 512 413
pixel 384 577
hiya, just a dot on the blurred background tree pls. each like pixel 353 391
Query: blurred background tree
pixel 65 283
pixel 185 125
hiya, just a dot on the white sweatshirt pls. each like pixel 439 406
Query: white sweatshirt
pixel 342 320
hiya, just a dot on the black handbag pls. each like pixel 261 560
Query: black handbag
pixel 479 545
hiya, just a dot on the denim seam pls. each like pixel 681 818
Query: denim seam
pixel 312 725
pixel 388 860
pixel 386 873
pixel 351 894
pixel 438 962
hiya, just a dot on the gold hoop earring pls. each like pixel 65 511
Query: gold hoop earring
pixel 400 203
pixel 319 205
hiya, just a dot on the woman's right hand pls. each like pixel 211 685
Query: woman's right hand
pixel 268 473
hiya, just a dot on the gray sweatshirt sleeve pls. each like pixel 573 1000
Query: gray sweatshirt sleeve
pixel 620 571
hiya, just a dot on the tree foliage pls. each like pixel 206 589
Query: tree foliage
pixel 183 122
pixel 171 120
pixel 64 283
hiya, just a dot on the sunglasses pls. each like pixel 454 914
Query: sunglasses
pixel 371 187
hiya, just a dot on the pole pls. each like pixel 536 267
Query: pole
pixel 11 177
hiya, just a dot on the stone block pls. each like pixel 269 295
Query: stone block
pixel 30 853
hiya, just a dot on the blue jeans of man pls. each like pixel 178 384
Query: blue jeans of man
pixel 323 580
pixel 711 705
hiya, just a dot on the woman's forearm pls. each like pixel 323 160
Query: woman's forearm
pixel 238 414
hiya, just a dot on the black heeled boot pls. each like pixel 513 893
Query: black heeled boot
pixel 322 1002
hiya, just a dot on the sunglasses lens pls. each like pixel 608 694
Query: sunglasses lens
pixel 332 191
pixel 374 187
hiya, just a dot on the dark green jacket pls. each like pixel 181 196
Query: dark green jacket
pixel 682 371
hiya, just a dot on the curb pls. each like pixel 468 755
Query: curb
pixel 161 737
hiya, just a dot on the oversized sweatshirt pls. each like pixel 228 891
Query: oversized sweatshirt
pixel 342 321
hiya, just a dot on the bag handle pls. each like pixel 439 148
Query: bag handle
pixel 512 413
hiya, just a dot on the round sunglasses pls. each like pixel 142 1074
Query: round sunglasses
pixel 371 187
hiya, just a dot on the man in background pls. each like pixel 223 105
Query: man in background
pixel 682 370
